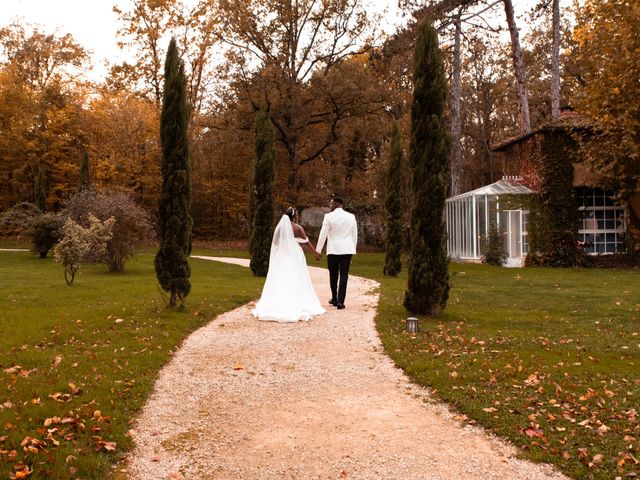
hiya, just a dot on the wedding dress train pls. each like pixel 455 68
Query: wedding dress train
pixel 288 294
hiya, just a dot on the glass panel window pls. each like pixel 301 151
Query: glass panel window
pixel 525 232
pixel 601 222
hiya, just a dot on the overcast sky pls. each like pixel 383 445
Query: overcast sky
pixel 93 23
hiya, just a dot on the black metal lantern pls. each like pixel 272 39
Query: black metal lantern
pixel 412 325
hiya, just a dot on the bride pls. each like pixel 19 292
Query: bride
pixel 288 295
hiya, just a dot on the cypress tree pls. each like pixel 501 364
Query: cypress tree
pixel 39 192
pixel 262 201
pixel 393 205
pixel 428 283
pixel 174 219
pixel 83 181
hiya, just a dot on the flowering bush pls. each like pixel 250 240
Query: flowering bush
pixel 78 243
pixel 132 223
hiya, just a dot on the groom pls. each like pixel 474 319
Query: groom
pixel 340 230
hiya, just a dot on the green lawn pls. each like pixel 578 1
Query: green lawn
pixel 77 363
pixel 548 358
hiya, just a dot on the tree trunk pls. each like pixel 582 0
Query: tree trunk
pixel 518 65
pixel 456 153
pixel 555 62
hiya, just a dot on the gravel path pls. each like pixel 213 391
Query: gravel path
pixel 244 399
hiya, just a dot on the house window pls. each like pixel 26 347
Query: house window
pixel 601 223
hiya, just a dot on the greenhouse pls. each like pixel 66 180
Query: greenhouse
pixel 470 215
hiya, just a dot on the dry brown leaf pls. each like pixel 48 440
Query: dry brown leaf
pixel 109 446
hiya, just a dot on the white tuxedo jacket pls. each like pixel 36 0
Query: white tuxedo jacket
pixel 340 231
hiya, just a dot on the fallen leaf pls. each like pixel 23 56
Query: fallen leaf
pixel 533 432
pixel 596 460
pixel 532 380
pixel 109 446
pixel 490 409
pixel 56 361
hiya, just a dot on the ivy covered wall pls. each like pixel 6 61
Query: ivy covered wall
pixel 553 217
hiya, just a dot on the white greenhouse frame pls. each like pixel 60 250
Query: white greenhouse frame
pixel 469 216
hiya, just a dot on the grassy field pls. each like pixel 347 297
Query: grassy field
pixel 77 363
pixel 548 358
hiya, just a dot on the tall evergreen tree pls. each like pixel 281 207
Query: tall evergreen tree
pixel 84 181
pixel 39 190
pixel 393 205
pixel 428 284
pixel 262 191
pixel 174 219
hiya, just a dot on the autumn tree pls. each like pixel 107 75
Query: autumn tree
pixel 518 67
pixel 84 180
pixel 125 149
pixel 43 113
pixel 607 38
pixel 428 283
pixel 174 220
pixel 262 222
pixel 144 25
pixel 393 204
pixel 39 190
pixel 555 59
pixel 291 42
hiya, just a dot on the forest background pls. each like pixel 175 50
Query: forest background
pixel 332 79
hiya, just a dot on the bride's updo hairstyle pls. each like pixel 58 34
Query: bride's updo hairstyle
pixel 291 213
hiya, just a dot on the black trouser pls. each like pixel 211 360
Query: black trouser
pixel 338 276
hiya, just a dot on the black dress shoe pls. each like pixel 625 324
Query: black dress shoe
pixel 340 306
pixel 333 302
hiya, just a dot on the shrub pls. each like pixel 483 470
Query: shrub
pixel 495 250
pixel 17 220
pixel 78 244
pixel 45 232
pixel 132 223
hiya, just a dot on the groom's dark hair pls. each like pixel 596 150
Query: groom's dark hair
pixel 338 200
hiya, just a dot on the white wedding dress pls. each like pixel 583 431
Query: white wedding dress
pixel 287 295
